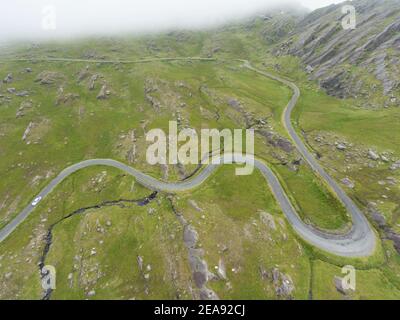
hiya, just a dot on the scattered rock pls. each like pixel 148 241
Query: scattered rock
pixel 268 220
pixel 207 294
pixel 309 69
pixel 221 271
pixel 380 220
pixel 27 130
pixel 92 81
pixel 100 229
pixel 348 183
pixel 22 93
pixel 283 284
pixel 8 78
pixel 373 155
pixel 190 236
pixel 91 54
pixel 200 279
pixel 341 146
pixel 395 165
pixel 91 293
pixel 104 92
pixel 83 74
pixel 376 216
pixel 195 205
pixel 48 77
pixel 276 140
pixel 140 262
pixel 234 103
pixel 396 240
pixel 384 158
pixel 130 143
pixel 65 98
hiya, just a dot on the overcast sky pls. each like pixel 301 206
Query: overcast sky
pixel 55 18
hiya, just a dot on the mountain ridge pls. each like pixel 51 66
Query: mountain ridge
pixel 346 63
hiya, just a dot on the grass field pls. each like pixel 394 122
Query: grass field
pixel 236 218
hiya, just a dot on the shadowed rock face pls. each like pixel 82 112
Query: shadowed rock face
pixel 332 52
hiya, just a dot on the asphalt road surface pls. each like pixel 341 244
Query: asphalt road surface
pixel 358 242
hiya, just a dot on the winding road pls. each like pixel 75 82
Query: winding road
pixel 360 241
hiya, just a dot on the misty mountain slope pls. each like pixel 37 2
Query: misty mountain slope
pixel 351 63
pixel 106 243
pixel 361 63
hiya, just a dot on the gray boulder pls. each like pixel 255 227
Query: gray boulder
pixel 373 155
pixel 8 78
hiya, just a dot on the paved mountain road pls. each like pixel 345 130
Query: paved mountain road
pixel 359 241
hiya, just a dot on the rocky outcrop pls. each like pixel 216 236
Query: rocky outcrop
pixel 379 219
pixel 8 78
pixel 282 283
pixel 339 58
pixel 268 220
pixel 92 81
pixel 348 183
pixel 48 77
pixel 395 166
pixel 276 140
pixel 27 130
pixel 65 97
pixel 198 265
pixel 104 92
pixel 24 106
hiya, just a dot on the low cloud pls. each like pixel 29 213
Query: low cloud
pixel 27 19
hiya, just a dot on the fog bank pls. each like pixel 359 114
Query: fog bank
pixel 31 19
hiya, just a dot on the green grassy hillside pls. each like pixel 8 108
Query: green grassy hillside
pixel 113 248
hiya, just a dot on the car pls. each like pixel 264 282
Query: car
pixel 36 201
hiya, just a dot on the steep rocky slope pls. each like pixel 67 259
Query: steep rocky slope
pixel 360 62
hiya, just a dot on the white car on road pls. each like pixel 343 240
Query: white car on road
pixel 36 201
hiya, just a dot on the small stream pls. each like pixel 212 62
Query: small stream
pixel 49 235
